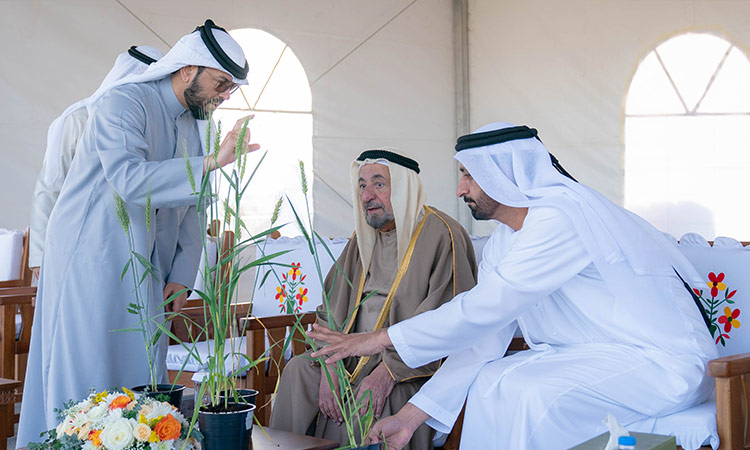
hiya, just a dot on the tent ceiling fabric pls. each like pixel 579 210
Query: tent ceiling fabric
pixel 565 68
pixel 382 73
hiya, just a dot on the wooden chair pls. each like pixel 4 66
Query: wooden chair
pixel 16 300
pixel 266 336
pixel 194 329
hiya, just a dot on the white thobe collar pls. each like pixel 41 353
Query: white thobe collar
pixel 166 90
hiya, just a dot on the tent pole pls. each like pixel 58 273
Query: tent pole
pixel 461 70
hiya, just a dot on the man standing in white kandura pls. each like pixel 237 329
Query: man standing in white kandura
pixel 141 142
pixel 593 288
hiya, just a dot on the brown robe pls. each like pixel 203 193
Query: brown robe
pixel 442 265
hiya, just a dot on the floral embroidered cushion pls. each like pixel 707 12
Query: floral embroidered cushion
pixel 292 284
pixel 726 292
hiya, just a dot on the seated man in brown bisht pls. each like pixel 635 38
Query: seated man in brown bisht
pixel 409 258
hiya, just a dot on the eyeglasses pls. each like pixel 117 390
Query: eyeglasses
pixel 223 85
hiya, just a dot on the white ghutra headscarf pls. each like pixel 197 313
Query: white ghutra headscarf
pixel 125 64
pixel 207 46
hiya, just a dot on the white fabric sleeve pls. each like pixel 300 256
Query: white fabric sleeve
pixel 45 195
pixel 122 150
pixel 188 252
pixel 545 253
pixel 442 397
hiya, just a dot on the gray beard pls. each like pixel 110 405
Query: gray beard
pixel 378 222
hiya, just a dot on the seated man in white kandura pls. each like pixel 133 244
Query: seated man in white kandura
pixel 593 288
pixel 409 258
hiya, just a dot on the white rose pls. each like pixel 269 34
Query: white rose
pixel 97 412
pixel 118 434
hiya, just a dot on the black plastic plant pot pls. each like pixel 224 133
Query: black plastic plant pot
pixel 243 396
pixel 169 393
pixel 226 428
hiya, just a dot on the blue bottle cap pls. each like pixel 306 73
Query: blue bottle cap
pixel 626 440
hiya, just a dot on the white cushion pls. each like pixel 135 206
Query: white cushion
pixel 11 252
pixel 212 254
pixel 692 427
pixel 177 355
pixel 729 263
pixel 265 302
pixel 479 242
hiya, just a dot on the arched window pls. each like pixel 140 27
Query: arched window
pixel 687 138
pixel 278 93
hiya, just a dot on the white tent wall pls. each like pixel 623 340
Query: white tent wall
pixel 564 67
pixel 381 74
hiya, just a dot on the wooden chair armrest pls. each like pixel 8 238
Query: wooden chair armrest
pixel 731 374
pixel 283 320
pixel 194 303
pixel 729 366
pixel 17 291
pixel 14 296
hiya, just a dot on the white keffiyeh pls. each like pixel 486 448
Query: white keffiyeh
pixel 124 65
pixel 190 50
pixel 519 173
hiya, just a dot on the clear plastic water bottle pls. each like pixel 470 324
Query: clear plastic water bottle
pixel 626 442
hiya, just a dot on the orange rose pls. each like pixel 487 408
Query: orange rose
pixel 168 428
pixel 119 402
pixel 94 437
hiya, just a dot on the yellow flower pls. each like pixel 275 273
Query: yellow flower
pixel 129 393
pixel 152 423
pixel 153 437
pixel 95 437
pixel 99 397
pixel 142 432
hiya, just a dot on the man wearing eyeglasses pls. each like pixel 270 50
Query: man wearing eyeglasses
pixel 139 144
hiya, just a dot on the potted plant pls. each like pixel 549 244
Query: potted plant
pixel 150 322
pixel 223 414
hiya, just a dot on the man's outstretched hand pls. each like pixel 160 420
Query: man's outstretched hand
pixel 342 345
pixel 226 153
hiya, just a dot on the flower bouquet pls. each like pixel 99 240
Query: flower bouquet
pixel 119 421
